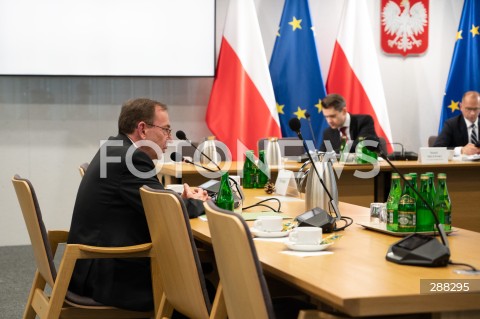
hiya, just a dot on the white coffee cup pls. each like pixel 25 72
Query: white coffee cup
pixel 306 236
pixel 269 223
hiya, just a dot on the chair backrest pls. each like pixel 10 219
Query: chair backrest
pixel 431 140
pixel 291 147
pixel 36 228
pixel 83 168
pixel 175 251
pixel 244 286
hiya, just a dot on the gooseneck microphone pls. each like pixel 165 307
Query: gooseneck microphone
pixel 295 126
pixel 307 115
pixel 177 157
pixel 416 249
pixel 213 188
pixel 398 155
pixel 182 136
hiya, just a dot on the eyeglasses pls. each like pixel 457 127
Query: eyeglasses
pixel 166 130
pixel 472 109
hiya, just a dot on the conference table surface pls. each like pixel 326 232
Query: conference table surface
pixel 463 180
pixel 357 279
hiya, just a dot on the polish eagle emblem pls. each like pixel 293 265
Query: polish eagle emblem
pixel 404 27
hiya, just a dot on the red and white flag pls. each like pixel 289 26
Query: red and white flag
pixel 242 103
pixel 354 71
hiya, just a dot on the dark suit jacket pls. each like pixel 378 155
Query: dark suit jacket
pixel 109 212
pixel 454 133
pixel 361 125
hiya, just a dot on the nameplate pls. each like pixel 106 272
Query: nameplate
pixel 286 184
pixel 433 155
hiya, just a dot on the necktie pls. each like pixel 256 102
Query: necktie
pixel 343 132
pixel 473 135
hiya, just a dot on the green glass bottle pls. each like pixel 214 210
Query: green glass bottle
pixel 363 154
pixel 343 154
pixel 225 194
pixel 425 220
pixel 414 183
pixel 407 208
pixel 443 205
pixel 249 177
pixel 392 203
pixel 431 183
pixel 359 151
pixel 263 170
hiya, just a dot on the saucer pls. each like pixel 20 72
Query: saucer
pixel 299 247
pixel 269 234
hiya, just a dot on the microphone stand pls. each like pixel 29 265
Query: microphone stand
pixel 307 115
pixel 423 253
pixel 402 152
pixel 240 192
pixel 202 153
pixel 201 166
pixel 332 201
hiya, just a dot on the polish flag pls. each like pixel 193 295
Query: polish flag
pixel 242 103
pixel 354 71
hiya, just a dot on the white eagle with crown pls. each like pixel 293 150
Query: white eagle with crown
pixel 405 25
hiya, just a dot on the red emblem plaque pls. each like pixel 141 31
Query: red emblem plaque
pixel 404 26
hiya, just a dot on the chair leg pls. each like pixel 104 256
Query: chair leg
pixel 64 275
pixel 38 283
pixel 316 314
pixel 219 309
pixel 157 286
pixel 165 310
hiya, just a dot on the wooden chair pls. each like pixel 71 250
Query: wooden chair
pixel 177 258
pixel 244 286
pixel 63 303
pixel 83 168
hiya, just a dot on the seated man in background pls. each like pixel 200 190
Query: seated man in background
pixel 343 123
pixel 461 132
pixel 108 210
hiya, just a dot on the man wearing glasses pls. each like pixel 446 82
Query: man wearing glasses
pixel 461 132
pixel 108 210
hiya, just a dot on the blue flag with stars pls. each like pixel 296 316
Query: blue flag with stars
pixel 465 68
pixel 296 75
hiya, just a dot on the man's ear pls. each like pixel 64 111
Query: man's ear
pixel 140 130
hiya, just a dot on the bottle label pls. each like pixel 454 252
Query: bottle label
pixel 406 220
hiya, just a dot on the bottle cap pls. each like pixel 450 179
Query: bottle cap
pixel 442 176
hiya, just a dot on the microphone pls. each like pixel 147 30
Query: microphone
pixel 182 136
pixel 402 152
pixel 177 157
pixel 416 249
pixel 211 186
pixel 307 115
pixel 402 155
pixel 295 126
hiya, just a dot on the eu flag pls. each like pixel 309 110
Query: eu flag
pixel 295 71
pixel 465 68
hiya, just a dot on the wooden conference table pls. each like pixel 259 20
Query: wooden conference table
pixel 463 180
pixel 356 279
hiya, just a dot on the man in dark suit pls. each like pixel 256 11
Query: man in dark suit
pixel 341 122
pixel 461 132
pixel 108 210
